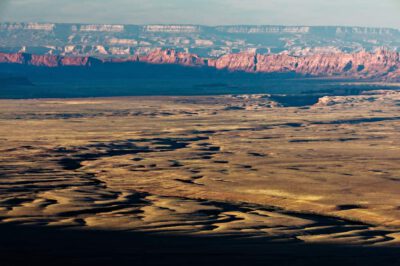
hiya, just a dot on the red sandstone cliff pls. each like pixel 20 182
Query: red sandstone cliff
pixel 160 56
pixel 46 60
pixel 382 64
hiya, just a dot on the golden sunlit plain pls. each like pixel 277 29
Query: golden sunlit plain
pixel 217 165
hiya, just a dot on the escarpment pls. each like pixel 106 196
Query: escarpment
pixel 378 65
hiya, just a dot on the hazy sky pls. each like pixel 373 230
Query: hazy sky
pixel 210 12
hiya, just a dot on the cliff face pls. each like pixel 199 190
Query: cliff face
pixel 172 28
pixel 263 29
pixel 159 56
pixel 118 40
pixel 46 60
pixel 380 65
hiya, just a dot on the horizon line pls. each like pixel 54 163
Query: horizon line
pixel 204 25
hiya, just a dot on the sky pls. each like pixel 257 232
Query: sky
pixel 375 13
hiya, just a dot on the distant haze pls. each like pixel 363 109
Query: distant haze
pixel 375 13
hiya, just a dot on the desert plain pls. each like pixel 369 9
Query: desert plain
pixel 234 166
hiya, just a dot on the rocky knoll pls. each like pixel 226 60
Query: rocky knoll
pixel 378 65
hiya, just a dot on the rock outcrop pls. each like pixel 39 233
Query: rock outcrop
pixel 378 65
pixel 376 97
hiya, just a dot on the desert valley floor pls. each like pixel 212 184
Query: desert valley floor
pixel 210 167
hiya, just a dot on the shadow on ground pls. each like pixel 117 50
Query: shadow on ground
pixel 24 245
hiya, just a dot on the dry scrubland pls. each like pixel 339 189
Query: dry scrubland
pixel 206 166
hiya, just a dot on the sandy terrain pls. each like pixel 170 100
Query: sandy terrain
pixel 206 166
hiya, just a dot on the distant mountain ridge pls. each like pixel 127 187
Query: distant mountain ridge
pixel 119 41
pixel 381 65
